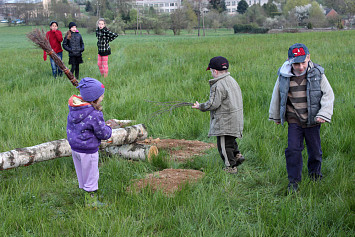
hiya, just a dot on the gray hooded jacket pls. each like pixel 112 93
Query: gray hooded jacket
pixel 226 107
pixel 320 96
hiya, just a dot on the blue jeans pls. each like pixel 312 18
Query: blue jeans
pixel 55 69
pixel 293 153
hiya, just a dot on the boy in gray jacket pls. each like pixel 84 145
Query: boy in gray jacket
pixel 303 98
pixel 226 110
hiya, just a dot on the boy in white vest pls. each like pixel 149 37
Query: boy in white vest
pixel 303 98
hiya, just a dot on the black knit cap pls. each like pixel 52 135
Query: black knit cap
pixel 52 22
pixel 71 24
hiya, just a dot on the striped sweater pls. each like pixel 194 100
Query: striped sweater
pixel 296 107
pixel 320 96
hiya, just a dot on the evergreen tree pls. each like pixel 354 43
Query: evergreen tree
pixel 218 5
pixel 242 7
pixel 270 9
pixel 88 7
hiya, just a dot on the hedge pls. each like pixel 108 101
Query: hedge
pixel 248 28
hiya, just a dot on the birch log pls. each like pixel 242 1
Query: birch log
pixel 29 155
pixel 61 148
pixel 115 123
pixel 133 151
pixel 126 135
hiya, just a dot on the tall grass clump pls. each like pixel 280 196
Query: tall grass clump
pixel 44 199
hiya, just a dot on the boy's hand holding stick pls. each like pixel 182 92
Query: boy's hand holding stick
pixel 196 105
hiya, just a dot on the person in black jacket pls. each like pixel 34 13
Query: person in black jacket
pixel 73 43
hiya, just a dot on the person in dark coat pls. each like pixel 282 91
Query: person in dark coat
pixel 73 43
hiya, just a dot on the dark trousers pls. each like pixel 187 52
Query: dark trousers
pixel 75 68
pixel 228 149
pixel 293 153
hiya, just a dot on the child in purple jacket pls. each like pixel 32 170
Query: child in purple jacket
pixel 85 129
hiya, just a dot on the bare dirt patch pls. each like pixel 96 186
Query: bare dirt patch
pixel 168 181
pixel 171 180
pixel 180 150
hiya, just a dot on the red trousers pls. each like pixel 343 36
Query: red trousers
pixel 102 62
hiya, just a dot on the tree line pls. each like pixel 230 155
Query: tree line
pixel 123 15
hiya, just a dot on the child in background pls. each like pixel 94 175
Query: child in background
pixel 55 39
pixel 85 129
pixel 104 36
pixel 303 98
pixel 226 109
pixel 73 43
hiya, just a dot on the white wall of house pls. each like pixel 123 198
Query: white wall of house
pixel 166 6
pixel 169 6
pixel 233 4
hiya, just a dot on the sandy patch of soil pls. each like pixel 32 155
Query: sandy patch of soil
pixel 168 181
pixel 171 180
pixel 180 150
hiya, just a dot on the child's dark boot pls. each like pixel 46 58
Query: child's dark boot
pixel 239 159
pixel 292 188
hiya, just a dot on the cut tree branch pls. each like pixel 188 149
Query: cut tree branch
pixel 38 37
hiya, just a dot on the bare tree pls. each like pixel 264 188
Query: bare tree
pixel 178 20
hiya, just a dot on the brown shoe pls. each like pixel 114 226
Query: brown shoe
pixel 240 159
pixel 231 170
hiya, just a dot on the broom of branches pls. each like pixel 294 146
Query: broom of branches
pixel 168 106
pixel 38 37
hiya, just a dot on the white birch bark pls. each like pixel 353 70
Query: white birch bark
pixel 115 123
pixel 126 135
pixel 29 155
pixel 133 151
pixel 61 148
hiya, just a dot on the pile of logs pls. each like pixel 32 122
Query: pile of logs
pixel 122 143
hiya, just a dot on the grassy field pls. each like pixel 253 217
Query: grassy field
pixel 44 200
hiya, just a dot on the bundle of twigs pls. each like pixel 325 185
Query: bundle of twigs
pixel 168 106
pixel 38 37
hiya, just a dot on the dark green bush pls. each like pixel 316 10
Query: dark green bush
pixel 259 31
pixel 249 28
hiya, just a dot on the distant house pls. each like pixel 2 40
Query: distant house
pixel 331 14
pixel 166 6
pixel 233 4
pixel 169 6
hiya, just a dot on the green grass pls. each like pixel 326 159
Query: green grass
pixel 43 199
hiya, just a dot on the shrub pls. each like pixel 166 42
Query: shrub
pixel 248 28
pixel 259 30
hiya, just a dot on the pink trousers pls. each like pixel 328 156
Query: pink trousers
pixel 87 170
pixel 102 62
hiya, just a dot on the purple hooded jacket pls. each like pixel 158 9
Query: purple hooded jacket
pixel 86 126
